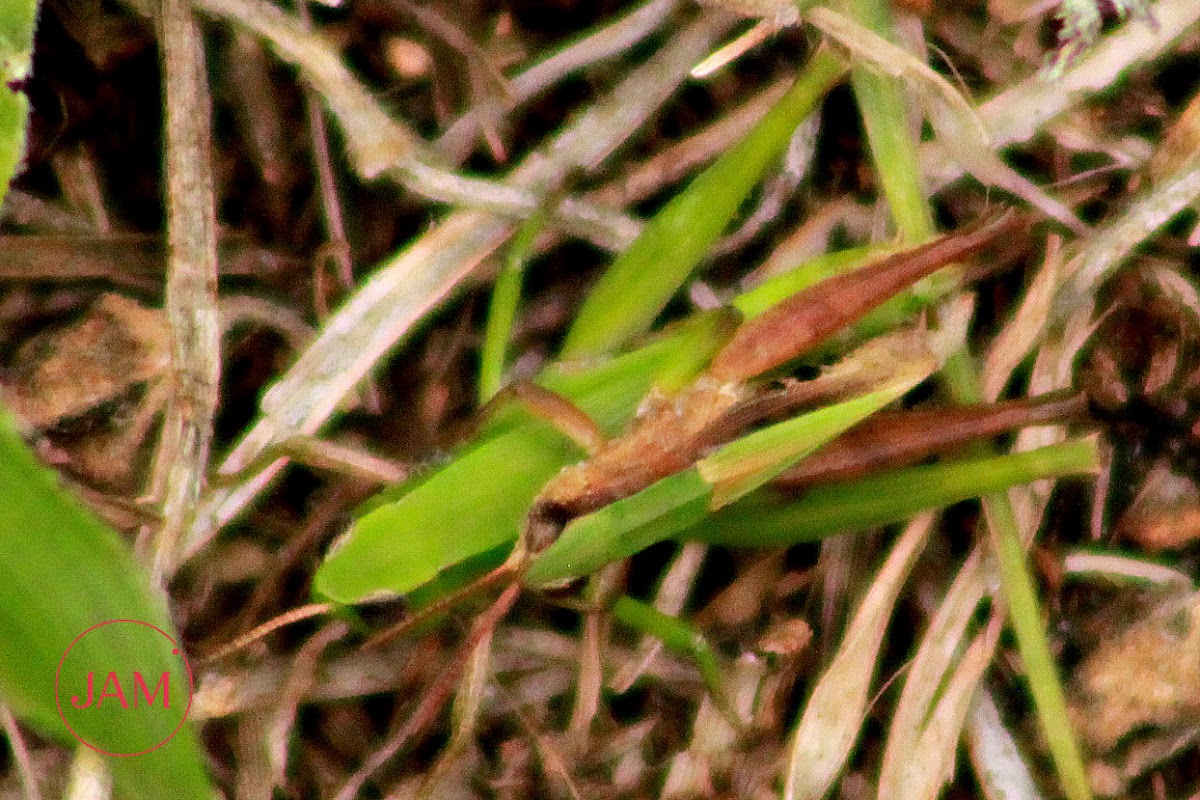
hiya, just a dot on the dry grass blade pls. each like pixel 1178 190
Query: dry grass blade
pixel 1019 113
pixel 935 657
pixel 834 713
pixel 20 754
pixel 191 298
pixel 602 44
pixel 960 129
pixel 1102 254
pixel 923 774
pixel 672 593
pixel 896 62
pixel 435 696
pixel 381 146
pixel 1003 774
pixel 1018 338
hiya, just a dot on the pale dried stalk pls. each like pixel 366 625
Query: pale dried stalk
pixel 603 43
pixel 959 127
pixel 1096 260
pixel 1017 114
pixel 834 714
pixel 998 762
pixel 381 146
pixel 416 279
pixel 642 179
pixel 191 293
pixel 1105 252
pixel 20 753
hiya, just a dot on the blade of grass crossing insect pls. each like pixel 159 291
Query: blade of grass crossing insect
pixel 766 520
pixel 609 390
pixel 882 108
pixel 623 528
pixel 506 296
pixel 746 464
pixel 638 285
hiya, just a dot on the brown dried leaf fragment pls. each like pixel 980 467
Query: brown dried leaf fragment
pixel 1180 145
pixel 1165 515
pixel 116 346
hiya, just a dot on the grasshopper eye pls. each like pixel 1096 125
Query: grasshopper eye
pixel 544 525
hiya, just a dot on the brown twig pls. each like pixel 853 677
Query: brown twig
pixel 191 295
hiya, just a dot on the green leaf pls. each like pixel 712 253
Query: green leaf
pixel 623 528
pixel 18 18
pixel 767 520
pixel 62 571
pixel 472 505
pixel 638 285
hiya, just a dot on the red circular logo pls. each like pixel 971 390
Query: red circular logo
pixel 123 687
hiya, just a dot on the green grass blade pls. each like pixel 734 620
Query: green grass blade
pixel 1025 616
pixel 18 18
pixel 62 571
pixel 766 520
pixel 885 107
pixel 882 104
pixel 623 528
pixel 638 285
pixel 678 637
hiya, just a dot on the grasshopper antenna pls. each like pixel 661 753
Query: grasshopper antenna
pixel 270 626
pixel 502 575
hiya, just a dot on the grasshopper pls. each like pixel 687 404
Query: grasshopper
pixel 681 441
pixel 672 433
